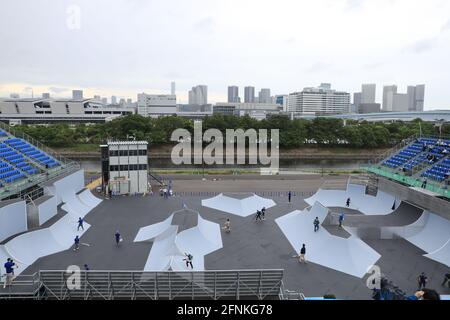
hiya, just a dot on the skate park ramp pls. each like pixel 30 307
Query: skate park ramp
pixel 243 205
pixel 351 256
pixel 381 226
pixel 441 255
pixel 369 205
pixel 26 248
pixel 170 244
pixel 88 199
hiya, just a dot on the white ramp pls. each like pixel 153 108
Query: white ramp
pixel 87 198
pixel 154 230
pixel 241 207
pixel 434 234
pixel 31 246
pixel 169 248
pixel 441 255
pixel 160 256
pixel 366 204
pixel 351 256
pixel 74 206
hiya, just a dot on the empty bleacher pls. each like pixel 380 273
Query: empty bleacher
pixel 32 152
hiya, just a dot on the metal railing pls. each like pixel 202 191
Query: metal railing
pixel 413 181
pixel 139 285
pixel 23 287
pixel 66 166
pixel 36 143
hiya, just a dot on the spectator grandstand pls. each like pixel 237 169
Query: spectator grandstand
pixel 418 162
pixel 25 163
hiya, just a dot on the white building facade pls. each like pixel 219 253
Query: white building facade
pixel 156 105
pixel 319 101
pixel 128 167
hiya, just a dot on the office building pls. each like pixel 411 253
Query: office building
pixel 321 100
pixel 77 94
pixel 249 94
pixel 105 101
pixel 365 108
pixel 46 95
pixel 368 93
pixel 282 100
pixel 173 88
pixel 113 100
pixel 356 100
pixel 233 94
pixel 198 95
pixel 264 96
pixel 416 96
pixel 254 110
pixel 155 105
pixel 388 97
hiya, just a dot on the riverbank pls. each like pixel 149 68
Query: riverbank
pixel 92 152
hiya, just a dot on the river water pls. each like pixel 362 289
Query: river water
pixel 287 164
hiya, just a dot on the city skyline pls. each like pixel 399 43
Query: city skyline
pixel 411 50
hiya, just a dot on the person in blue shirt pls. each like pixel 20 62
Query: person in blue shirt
pixel 118 237
pixel 289 196
pixel 341 219
pixel 80 224
pixel 9 268
pixel 77 243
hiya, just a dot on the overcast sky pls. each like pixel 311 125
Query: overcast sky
pixel 123 47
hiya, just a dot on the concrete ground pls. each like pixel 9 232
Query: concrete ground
pixel 250 245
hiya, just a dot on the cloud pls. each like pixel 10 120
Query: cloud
pixel 319 67
pixel 206 25
pixel 58 89
pixel 354 4
pixel 446 27
pixel 422 46
pixel 372 66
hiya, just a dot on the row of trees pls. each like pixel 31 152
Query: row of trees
pixel 293 133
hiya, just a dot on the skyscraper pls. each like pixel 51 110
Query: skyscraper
pixel 173 88
pixel 198 95
pixel 264 96
pixel 114 100
pixel 419 101
pixel 357 100
pixel 46 95
pixel 368 93
pixel 249 94
pixel 233 94
pixel 388 97
pixel 77 94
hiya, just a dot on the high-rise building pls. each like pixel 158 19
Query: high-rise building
pixel 14 96
pixel 77 94
pixel 233 94
pixel 400 102
pixel 357 100
pixel 105 101
pixel 264 96
pixel 155 105
pixel 416 96
pixel 388 97
pixel 97 97
pixel 173 88
pixel 249 94
pixel 46 95
pixel 198 95
pixel 368 93
pixel 129 102
pixel 319 101
pixel 113 100
pixel 282 100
